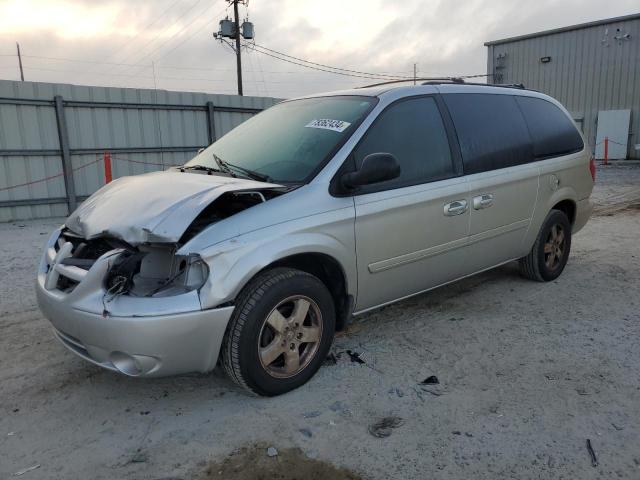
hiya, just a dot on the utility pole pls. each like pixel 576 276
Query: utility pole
pixel 231 31
pixel 20 62
pixel 415 72
pixel 238 54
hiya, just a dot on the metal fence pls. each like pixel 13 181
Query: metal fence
pixel 53 138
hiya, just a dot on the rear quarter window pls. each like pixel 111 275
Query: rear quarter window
pixel 491 131
pixel 552 132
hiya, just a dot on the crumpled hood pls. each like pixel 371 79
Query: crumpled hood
pixel 153 207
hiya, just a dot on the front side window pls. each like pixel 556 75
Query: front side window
pixel 290 141
pixel 412 130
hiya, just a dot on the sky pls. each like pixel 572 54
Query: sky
pixel 169 44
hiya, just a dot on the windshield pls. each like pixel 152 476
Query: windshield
pixel 288 142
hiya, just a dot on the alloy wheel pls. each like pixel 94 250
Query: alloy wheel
pixel 554 247
pixel 290 336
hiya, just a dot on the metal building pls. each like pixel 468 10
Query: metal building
pixel 592 68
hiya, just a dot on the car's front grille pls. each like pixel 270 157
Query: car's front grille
pixel 69 260
pixel 60 275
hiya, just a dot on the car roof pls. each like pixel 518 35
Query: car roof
pixel 396 90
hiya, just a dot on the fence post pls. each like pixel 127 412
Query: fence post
pixel 606 150
pixel 65 153
pixel 211 126
pixel 107 167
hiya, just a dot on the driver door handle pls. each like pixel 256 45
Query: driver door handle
pixel 457 207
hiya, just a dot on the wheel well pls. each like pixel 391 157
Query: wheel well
pixel 329 271
pixel 569 209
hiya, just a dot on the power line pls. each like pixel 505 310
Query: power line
pixel 345 74
pixel 163 77
pixel 341 71
pixel 329 66
pixel 145 65
pixel 193 5
pixel 128 44
pixel 202 27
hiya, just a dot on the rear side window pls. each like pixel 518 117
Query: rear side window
pixel 491 131
pixel 413 131
pixel 552 132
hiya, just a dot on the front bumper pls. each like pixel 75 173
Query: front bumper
pixel 146 337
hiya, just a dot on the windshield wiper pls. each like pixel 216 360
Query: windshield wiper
pixel 252 174
pixel 222 165
pixel 203 168
pixel 226 167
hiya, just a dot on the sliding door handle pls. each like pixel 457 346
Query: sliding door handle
pixel 483 201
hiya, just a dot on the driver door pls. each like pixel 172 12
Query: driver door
pixel 410 230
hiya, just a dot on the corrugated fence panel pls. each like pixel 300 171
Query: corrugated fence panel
pixel 144 130
pixel 589 70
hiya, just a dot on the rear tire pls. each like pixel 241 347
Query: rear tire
pixel 280 332
pixel 550 252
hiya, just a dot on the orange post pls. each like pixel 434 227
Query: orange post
pixel 107 167
pixel 606 150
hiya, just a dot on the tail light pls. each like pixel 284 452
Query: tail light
pixel 592 168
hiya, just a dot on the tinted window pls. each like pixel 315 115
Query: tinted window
pixel 552 132
pixel 490 129
pixel 413 131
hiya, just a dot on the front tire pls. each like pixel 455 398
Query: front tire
pixel 280 332
pixel 550 252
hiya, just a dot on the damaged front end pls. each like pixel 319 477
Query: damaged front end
pixel 146 270
pixel 125 294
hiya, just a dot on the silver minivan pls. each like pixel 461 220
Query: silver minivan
pixel 256 251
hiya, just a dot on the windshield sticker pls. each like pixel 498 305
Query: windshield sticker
pixel 328 124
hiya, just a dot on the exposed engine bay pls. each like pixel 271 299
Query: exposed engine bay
pixel 151 269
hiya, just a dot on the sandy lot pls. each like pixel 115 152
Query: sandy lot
pixel 528 372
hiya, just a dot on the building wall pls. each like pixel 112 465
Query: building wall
pixel 589 71
pixel 144 130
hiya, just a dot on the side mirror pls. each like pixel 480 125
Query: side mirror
pixel 376 167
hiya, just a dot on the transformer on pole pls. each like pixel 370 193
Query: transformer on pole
pixel 233 30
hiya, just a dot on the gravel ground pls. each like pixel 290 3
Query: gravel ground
pixel 528 372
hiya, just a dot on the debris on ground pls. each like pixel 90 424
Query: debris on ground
pixel 355 357
pixel 306 432
pixel 250 463
pixel 272 452
pixel 22 472
pixel 592 454
pixel 313 414
pixel 431 385
pixel 331 359
pixel 432 380
pixel 384 427
pixel 139 457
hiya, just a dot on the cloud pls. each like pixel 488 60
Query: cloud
pixel 444 37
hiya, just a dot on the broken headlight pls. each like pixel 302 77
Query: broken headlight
pixel 191 273
pixel 154 271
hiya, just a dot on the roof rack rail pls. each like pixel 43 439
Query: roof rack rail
pixel 459 81
pixel 446 80
pixel 390 82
